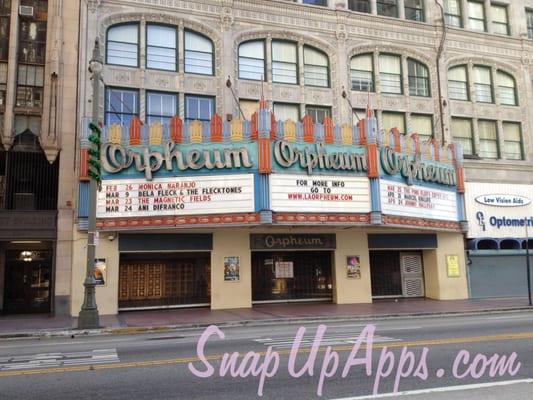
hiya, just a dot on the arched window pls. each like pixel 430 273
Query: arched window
pixel 458 83
pixel 418 78
pixel 316 67
pixel 362 73
pixel 252 60
pixel 284 62
pixel 198 54
pixel 483 84
pixel 506 88
pixel 123 45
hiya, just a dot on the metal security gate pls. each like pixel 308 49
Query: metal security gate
pixel 173 281
pixel 412 274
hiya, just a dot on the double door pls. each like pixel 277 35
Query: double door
pixel 27 281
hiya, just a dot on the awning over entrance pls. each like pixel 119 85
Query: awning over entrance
pixel 398 241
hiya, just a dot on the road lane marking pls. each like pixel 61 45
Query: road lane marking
pixel 217 357
pixel 440 390
pixel 47 360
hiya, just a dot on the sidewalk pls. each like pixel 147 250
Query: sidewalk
pixel 142 321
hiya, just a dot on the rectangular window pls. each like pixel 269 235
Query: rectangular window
pixel 512 139
pixel 359 114
pixel 3 87
pixel 359 5
pixel 316 70
pixel 462 133
pixel 483 84
pixel 284 111
pixel 120 106
pixel 393 120
pixel 4 37
pixel 323 3
pixel 160 107
pixel 248 108
pixel 161 47
pixel 458 83
pixel 387 8
pixel 284 62
pixel 390 71
pixel 30 83
pixel 476 16
pixel 199 107
pixel 423 125
pixel 418 75
pixel 318 113
pixel 414 10
pixel 529 17
pixel 362 73
pixel 488 139
pixel 500 23
pixel 453 14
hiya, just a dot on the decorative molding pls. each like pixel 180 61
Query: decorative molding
pixel 327 219
pixel 421 223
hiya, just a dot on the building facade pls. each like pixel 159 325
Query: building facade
pixel 194 73
pixel 38 87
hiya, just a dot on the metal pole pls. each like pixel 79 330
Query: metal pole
pixel 88 318
pixel 527 265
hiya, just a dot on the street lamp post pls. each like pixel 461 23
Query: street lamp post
pixel 88 318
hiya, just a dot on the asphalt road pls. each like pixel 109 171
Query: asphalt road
pixel 463 357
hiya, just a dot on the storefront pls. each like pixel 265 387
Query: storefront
pixel 501 224
pixel 258 212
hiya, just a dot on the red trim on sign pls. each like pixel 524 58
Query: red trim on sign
pixel 420 222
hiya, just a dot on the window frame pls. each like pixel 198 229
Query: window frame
pixel 467 82
pixel 186 106
pixel 417 62
pixel 176 49
pixel 387 2
pixel 496 141
pixel 521 142
pixel 401 93
pixel 147 114
pixel 515 89
pixel 460 15
pixel 327 109
pixel 421 9
pixel 484 84
pixel 431 118
pixel 138 25
pixel 507 26
pixel 367 2
pixel 328 69
pixel 470 18
pixel 185 31
pixel 403 114
pixel 263 41
pixel 106 102
pixel 283 103
pixel 471 138
pixel 297 63
pixel 529 22
pixel 373 72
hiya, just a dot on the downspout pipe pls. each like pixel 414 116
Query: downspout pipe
pixel 439 55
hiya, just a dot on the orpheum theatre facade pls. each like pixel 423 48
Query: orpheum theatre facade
pixel 232 214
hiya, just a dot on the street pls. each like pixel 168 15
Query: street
pixel 161 365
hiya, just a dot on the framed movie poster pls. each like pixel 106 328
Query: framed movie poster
pixel 100 271
pixel 353 267
pixel 452 266
pixel 231 269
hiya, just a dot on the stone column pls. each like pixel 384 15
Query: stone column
pixel 488 16
pixel 464 13
pixel 7 133
pixel 401 9
pixel 373 7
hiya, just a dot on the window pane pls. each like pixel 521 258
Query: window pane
pixel 482 84
pixel 197 107
pixel 393 120
pixel 462 134
pixel 499 14
pixel 161 47
pixel 160 107
pixel 457 83
pixel 414 10
pixel 198 54
pixel 284 112
pixel 315 57
pixel 387 8
pixel 362 63
pixel 315 67
pixel 361 73
pixel 418 78
pixel 122 46
pixel 529 16
pixel 318 113
pixel 390 73
pixel 121 105
pixel 506 86
pixel 359 5
pixel 316 2
pixel 248 108
pixel 512 141
pixel 476 16
pixel 423 125
pixel 389 64
pixel 252 60
pixel 284 67
pixel 284 51
pixel 488 139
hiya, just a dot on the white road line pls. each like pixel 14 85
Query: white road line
pixel 100 356
pixel 439 390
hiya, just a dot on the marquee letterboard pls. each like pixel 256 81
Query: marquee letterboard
pixel 191 195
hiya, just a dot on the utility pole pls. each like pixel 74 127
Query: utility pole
pixel 88 318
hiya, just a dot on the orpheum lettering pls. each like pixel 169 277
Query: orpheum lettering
pixel 291 241
pixel 287 155
pixel 116 158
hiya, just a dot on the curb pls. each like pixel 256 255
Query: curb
pixel 251 323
